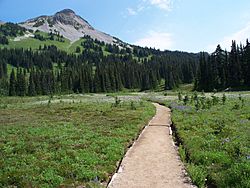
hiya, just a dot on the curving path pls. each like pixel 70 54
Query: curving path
pixel 152 161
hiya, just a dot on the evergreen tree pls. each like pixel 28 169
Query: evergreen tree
pixel 12 85
pixel 91 71
pixel 78 49
pixel 31 87
pixel 234 67
pixel 21 83
pixel 246 64
pixel 169 80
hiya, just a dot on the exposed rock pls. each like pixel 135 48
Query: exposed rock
pixel 25 36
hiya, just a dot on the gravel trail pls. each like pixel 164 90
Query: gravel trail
pixel 152 161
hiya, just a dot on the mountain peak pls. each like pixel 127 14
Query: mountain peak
pixel 69 24
pixel 66 11
pixel 68 17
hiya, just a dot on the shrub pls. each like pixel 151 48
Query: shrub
pixel 179 96
pixel 197 105
pixel 242 101
pixel 132 105
pixel 215 100
pixel 224 98
pixel 117 102
pixel 186 99
pixel 236 107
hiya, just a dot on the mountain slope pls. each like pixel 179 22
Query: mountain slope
pixel 68 24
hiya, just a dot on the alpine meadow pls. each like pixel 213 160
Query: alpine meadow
pixel 82 108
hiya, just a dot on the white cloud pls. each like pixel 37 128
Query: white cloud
pixel 135 11
pixel 226 42
pixel 162 4
pixel 158 40
pixel 165 5
pixel 131 12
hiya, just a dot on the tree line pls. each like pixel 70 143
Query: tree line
pixel 49 70
pixel 224 70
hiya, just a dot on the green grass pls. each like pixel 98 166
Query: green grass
pixel 105 53
pixel 34 44
pixel 185 88
pixel 215 142
pixel 72 47
pixel 67 46
pixel 64 144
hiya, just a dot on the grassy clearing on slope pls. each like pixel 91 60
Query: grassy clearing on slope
pixel 53 144
pixel 215 140
pixel 34 44
pixel 73 46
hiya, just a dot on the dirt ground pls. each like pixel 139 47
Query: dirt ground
pixel 153 161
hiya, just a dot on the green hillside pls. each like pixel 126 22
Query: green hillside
pixel 46 63
pixel 35 44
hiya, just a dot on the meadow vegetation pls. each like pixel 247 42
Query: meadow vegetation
pixel 70 140
pixel 51 144
pixel 213 134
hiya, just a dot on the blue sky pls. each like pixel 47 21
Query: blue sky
pixel 186 25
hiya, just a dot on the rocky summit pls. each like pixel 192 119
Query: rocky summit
pixel 68 24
